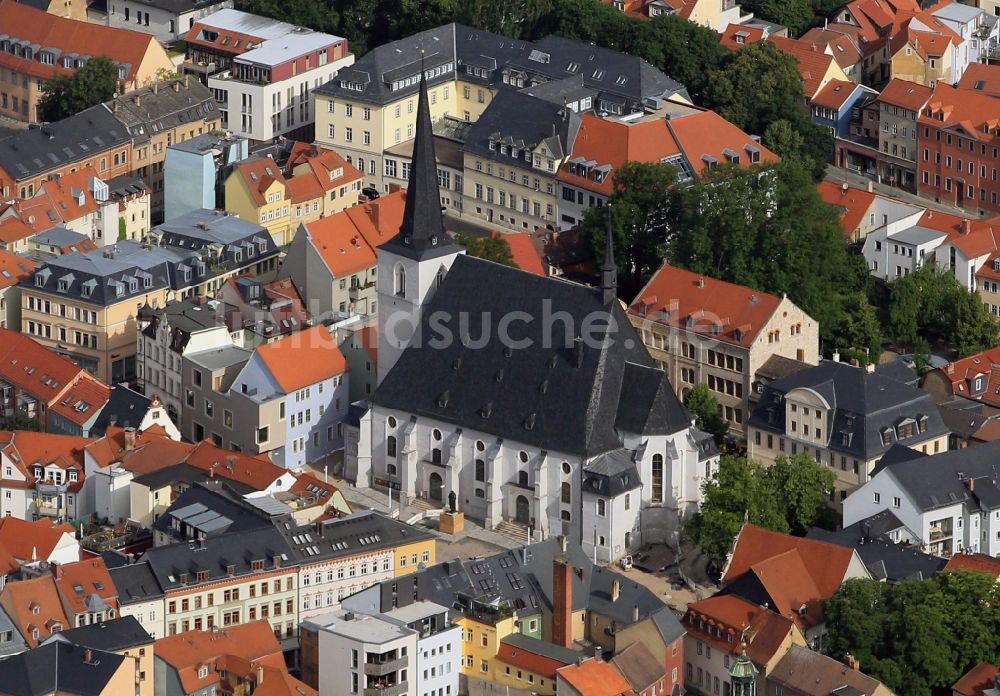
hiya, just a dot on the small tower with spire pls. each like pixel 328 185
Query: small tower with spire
pixel 609 271
pixel 412 264
pixel 743 675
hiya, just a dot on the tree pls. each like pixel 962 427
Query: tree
pixel 802 486
pixel 65 95
pixel 797 15
pixel 685 51
pixel 514 18
pixel 705 408
pixel 739 491
pixel 492 248
pixel 860 328
pixel 856 618
pixel 638 212
pixel 20 421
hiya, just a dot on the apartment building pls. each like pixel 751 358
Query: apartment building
pixel 371 106
pixel 286 399
pixel 85 305
pixel 410 650
pixel 263 71
pixel 92 139
pixel 167 334
pixel 13 270
pixel 157 116
pixel 705 331
pixel 197 170
pixel 900 103
pixel 140 596
pixel 265 311
pixel 39 46
pixel 303 183
pixel 43 475
pixel 847 417
pixel 333 261
pixel 97 672
pixel 959 148
pixel 167 20
pixel 123 636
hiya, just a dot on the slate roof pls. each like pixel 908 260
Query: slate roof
pixel 38 150
pixel 149 110
pixel 186 473
pixel 113 635
pixel 939 480
pixel 214 554
pixel 125 408
pixel 866 408
pixel 802 670
pixel 210 509
pixel 364 531
pixel 522 121
pixel 566 399
pixel 523 578
pixel 135 583
pixel 884 559
pixel 639 666
pixel 185 317
pixel 611 474
pixel 58 668
pixel 470 51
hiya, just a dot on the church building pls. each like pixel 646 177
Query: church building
pixel 532 399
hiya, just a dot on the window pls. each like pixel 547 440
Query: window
pixel 566 493
pixel 390 446
pixel 480 470
pixel 657 482
pixel 602 507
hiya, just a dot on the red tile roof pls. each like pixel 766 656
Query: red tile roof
pixel 24 22
pixel 826 564
pixel 708 134
pixel 700 303
pixel 308 174
pixel 726 621
pixel 34 606
pixel 813 62
pixel 977 680
pixel 853 202
pixel 84 391
pixel 26 449
pixel 981 77
pixel 841 44
pixel 526 255
pixel 29 541
pixel 14 268
pixel 749 35
pixel 257 472
pixel 965 111
pixel 910 95
pixel 303 359
pixel 595 677
pixel 536 663
pixel 78 582
pixel 979 562
pixel 835 94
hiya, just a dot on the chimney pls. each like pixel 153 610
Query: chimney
pixel 156 87
pixel 635 613
pixel 836 356
pixel 57 570
pixel 598 653
pixel 562 543
pixel 88 656
pixel 137 99
pixel 871 186
pixel 114 106
pixel 260 668
pixel 187 82
pixel 852 662
pixel 971 484
pixel 562 602
pixel 129 439
pixel 616 590
pixel 966 226
pixel 177 86
pixel 870 367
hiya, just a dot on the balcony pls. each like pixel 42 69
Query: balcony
pixel 937 534
pixel 380 669
pixel 390 690
pixel 50 487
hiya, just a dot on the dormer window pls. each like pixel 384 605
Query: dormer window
pixel 39 280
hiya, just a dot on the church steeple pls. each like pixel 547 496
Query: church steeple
pixel 422 233
pixel 609 271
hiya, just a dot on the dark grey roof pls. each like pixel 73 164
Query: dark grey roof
pixel 639 666
pixel 885 559
pixel 778 366
pixel 896 453
pixel 898 370
pixel 555 393
pixel 360 532
pixel 668 625
pixel 523 579
pixel 482 57
pixel 182 472
pixel 125 185
pixel 568 89
pixel 421 235
pixel 125 408
pixel 135 583
pixel 963 422
pixel 58 668
pixel 521 121
pixel 150 110
pixel 55 145
pixel 542 647
pixel 938 480
pixel 112 635
pixel 611 473
pixel 866 408
pixel 185 317
pixel 215 554
pixel 59 236
pixel 211 508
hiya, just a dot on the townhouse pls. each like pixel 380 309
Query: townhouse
pixel 263 71
pixel 843 45
pixel 900 103
pixel 804 672
pixel 692 141
pixel 13 270
pixel 266 311
pixel 31 542
pixel 43 475
pixel 92 139
pixel 168 333
pixel 817 66
pixel 908 237
pixel 39 46
pixel 332 261
pixel 140 597
pixel 710 13
pixel 927 51
pixel 85 305
pixel 946 503
pixel 702 330
pixel 286 399
pixel 60 667
pixel 197 170
pixel 975 378
pixel 873 23
pixel 371 106
pixel 302 184
pixel 166 20
pixel 959 146
pixel 122 636
pixel 832 106
pixel 846 417
pixel 158 116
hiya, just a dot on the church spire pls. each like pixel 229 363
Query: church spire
pixel 422 232
pixel 609 271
